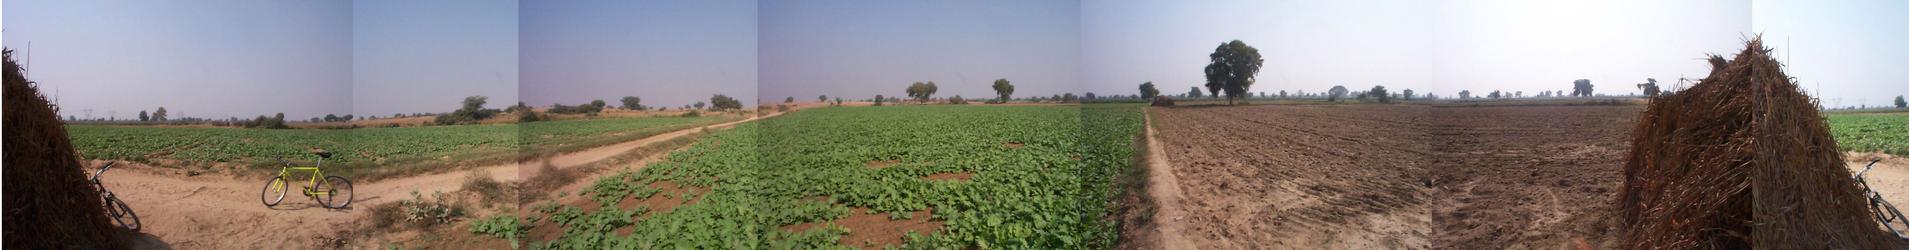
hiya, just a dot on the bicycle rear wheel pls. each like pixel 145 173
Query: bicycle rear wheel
pixel 274 192
pixel 122 213
pixel 1894 220
pixel 335 192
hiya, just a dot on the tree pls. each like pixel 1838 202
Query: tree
pixel 632 103
pixel 790 99
pixel 1900 103
pixel 1337 91
pixel 822 98
pixel 1195 93
pixel 1147 91
pixel 330 118
pixel 159 115
pixel 1089 96
pixel 1231 69
pixel 723 102
pixel 838 101
pixel 1408 94
pixel 1003 88
pixel 1581 87
pixel 1282 94
pixel 922 91
pixel 1649 86
pixel 1464 94
pixel 143 117
pixel 1379 91
pixel 698 105
pixel 598 103
pixel 878 100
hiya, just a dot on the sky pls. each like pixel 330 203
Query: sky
pixel 1850 53
pixel 859 49
pixel 425 56
pixel 1437 47
pixel 669 53
pixel 213 59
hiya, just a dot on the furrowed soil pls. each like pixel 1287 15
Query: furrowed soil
pixel 1528 176
pixel 1298 176
pixel 1393 176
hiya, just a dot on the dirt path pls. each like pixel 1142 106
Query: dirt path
pixel 1164 188
pixel 224 212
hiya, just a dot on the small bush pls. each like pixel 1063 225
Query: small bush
pixel 486 188
pixel 693 113
pixel 416 212
pixel 502 226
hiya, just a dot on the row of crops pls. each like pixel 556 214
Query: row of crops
pixel 1036 177
pixel 1886 132
pixel 366 146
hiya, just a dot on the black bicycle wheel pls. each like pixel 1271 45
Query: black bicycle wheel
pixel 337 192
pixel 274 191
pixel 122 213
pixel 1895 221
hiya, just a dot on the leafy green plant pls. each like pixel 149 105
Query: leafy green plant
pixel 502 226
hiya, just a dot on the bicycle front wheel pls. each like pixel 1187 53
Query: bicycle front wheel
pixel 122 213
pixel 274 191
pixel 335 192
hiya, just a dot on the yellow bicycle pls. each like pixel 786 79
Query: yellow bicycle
pixel 330 191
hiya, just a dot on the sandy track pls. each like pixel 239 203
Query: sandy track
pixel 1164 186
pixel 1528 176
pixel 224 212
pixel 1297 176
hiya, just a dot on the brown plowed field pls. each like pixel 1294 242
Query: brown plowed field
pixel 1396 176
pixel 1528 176
pixel 1300 176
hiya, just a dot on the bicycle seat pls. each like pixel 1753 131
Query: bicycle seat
pixel 323 154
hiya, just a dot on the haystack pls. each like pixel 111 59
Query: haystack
pixel 1162 101
pixel 1740 160
pixel 50 204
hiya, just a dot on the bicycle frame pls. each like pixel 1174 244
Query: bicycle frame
pixel 317 177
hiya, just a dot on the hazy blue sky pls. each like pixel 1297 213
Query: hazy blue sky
pixel 669 53
pixel 858 49
pixel 427 55
pixel 196 58
pixel 1441 47
pixel 1851 51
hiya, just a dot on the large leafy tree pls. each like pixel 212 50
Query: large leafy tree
pixel 632 103
pixel 143 117
pixel 1581 87
pixel 1195 93
pixel 922 91
pixel 1231 69
pixel 723 102
pixel 1379 91
pixel 1337 91
pixel 159 115
pixel 1900 103
pixel 1148 91
pixel 1003 88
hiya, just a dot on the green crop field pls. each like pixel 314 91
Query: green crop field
pixel 1886 132
pixel 366 146
pixel 1036 177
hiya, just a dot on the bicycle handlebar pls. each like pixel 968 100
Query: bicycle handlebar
pixel 102 170
pixel 1866 167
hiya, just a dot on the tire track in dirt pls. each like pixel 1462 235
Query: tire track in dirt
pixel 225 212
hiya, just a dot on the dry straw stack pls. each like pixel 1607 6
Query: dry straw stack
pixel 1741 159
pixel 50 204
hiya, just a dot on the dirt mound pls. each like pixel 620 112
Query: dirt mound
pixel 50 202
pixel 1740 159
pixel 1162 101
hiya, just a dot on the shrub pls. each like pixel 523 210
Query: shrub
pixel 502 226
pixel 416 212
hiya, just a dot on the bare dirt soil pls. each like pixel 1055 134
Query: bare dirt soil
pixel 1528 176
pixel 1279 176
pixel 225 212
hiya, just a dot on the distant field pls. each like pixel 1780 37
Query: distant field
pixel 1869 132
pixel 363 147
